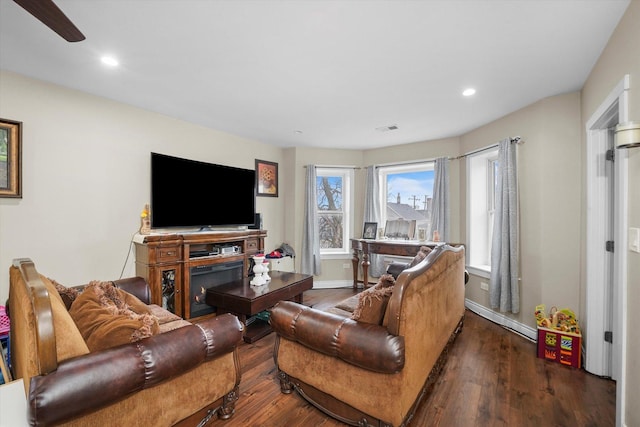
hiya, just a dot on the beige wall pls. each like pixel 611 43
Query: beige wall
pixel 85 178
pixel 549 185
pixel 621 56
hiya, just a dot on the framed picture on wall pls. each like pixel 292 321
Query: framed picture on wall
pixel 10 158
pixel 266 178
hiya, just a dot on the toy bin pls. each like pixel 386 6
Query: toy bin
pixel 560 346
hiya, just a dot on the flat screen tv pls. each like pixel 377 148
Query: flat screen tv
pixel 189 193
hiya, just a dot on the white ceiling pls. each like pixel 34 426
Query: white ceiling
pixel 334 70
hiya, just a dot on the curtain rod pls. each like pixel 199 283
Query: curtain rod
pixel 334 167
pixel 408 162
pixel 515 139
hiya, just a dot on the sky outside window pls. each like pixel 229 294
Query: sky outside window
pixel 410 185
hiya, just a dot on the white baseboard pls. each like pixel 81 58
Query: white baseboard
pixel 501 319
pixel 332 284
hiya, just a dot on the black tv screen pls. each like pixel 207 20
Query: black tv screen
pixel 190 193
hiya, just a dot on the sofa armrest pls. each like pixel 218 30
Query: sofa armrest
pixel 365 345
pixel 136 286
pixel 87 383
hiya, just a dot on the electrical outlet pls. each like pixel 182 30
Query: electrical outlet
pixel 484 286
pixel 346 265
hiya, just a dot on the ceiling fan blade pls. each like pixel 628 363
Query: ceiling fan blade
pixel 51 16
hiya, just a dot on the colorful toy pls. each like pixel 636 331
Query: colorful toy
pixel 561 320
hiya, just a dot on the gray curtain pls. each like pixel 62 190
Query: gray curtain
pixel 372 214
pixel 504 292
pixel 310 256
pixel 440 204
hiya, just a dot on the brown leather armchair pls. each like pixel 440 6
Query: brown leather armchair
pixel 174 378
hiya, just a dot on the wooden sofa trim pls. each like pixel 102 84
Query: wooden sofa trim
pixel 47 352
pixel 336 336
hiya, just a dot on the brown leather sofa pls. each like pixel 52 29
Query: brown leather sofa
pixel 177 377
pixel 369 374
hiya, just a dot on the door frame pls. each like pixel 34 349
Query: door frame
pixel 612 111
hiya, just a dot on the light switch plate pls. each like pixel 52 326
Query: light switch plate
pixel 634 239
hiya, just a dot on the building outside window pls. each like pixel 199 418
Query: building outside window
pixel 334 204
pixel 482 175
pixel 406 192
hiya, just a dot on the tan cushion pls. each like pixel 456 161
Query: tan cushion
pixel 69 341
pixel 107 316
pixel 163 315
pixel 372 302
pixel 175 324
pixel 349 304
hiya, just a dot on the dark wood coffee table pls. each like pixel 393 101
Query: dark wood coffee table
pixel 244 300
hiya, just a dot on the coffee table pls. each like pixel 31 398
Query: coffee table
pixel 243 300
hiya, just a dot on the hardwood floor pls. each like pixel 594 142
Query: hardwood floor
pixel 492 378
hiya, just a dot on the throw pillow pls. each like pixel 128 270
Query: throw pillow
pixel 372 302
pixel 68 295
pixel 108 316
pixel 420 256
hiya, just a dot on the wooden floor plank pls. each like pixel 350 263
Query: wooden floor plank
pixel 492 378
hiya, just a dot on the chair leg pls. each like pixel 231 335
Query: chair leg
pixel 285 383
pixel 228 407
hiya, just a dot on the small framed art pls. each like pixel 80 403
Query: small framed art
pixel 370 229
pixel 10 158
pixel 266 178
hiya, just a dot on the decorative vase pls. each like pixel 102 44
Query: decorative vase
pixel 258 269
pixel 145 221
pixel 265 270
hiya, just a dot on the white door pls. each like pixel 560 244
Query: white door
pixel 598 324
pixel 606 271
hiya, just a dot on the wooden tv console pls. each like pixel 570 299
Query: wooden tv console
pixel 165 260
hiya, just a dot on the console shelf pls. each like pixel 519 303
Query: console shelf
pixel 165 261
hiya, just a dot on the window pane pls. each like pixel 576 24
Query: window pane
pixel 410 195
pixel 333 198
pixel 329 193
pixel 330 227
pixel 492 177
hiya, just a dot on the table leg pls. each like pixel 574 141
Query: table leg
pixel 355 261
pixel 365 269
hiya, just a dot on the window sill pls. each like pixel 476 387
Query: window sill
pixel 480 270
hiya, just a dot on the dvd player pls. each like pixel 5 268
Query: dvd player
pixel 197 254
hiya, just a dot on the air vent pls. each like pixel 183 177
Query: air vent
pixel 387 128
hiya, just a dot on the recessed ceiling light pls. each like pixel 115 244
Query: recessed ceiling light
pixel 109 60
pixel 468 92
